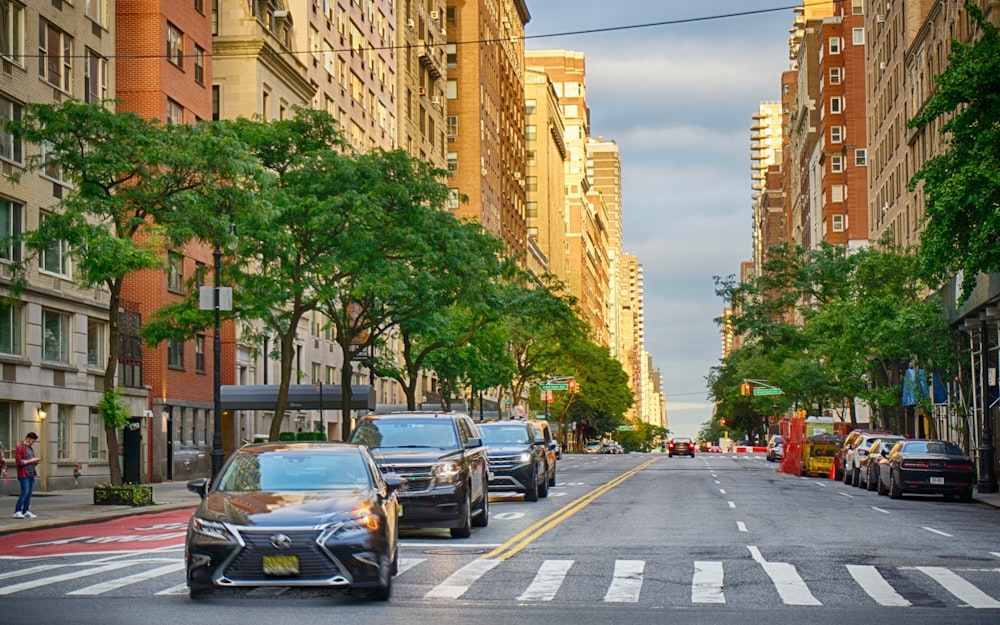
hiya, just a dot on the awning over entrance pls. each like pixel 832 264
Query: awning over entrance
pixel 300 397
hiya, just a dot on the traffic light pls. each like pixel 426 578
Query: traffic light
pixel 571 385
pixel 722 422
pixel 746 389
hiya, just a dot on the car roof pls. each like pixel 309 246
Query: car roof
pixel 414 415
pixel 302 446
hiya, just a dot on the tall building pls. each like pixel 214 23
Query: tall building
pixel 545 158
pixel 604 168
pixel 765 168
pixel 54 342
pixel 486 117
pixel 423 59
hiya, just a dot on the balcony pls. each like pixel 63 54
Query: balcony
pixel 430 57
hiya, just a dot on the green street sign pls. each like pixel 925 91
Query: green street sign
pixel 767 391
pixel 626 428
pixel 554 387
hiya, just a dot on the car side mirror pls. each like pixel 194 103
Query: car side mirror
pixel 474 442
pixel 394 482
pixel 199 486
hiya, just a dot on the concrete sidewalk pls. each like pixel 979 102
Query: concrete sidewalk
pixel 69 507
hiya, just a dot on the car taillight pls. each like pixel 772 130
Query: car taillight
pixel 915 464
pixel 958 466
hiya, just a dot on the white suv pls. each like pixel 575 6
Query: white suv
pixel 856 453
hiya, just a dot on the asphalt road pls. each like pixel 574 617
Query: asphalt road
pixel 631 539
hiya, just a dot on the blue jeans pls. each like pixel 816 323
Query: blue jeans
pixel 24 500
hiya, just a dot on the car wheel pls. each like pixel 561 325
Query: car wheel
pixel 966 495
pixel 532 493
pixel 894 490
pixel 482 518
pixel 870 484
pixel 552 478
pixel 543 489
pixel 200 591
pixel 855 478
pixel 880 487
pixel 465 529
pixel 383 591
pixel 845 475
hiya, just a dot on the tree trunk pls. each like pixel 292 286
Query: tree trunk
pixel 110 373
pixel 287 360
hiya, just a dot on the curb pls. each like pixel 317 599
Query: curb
pixel 110 515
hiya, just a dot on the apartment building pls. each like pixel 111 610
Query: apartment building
pixel 423 56
pixel 765 168
pixel 604 168
pixel 486 117
pixel 545 158
pixel 54 341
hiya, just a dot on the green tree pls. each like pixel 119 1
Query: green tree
pixel 137 186
pixel 961 184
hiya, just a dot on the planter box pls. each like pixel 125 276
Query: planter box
pixel 124 495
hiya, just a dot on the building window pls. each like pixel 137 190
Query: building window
pixel 199 6
pixel 530 106
pixel 531 183
pixel 215 17
pixel 216 113
pixel 55 336
pixel 175 45
pixel 10 146
pixel 98 445
pixel 834 45
pixel 452 162
pixel 199 353
pixel 64 432
pixel 200 271
pixel 452 199
pixel 531 132
pixel 175 272
pixel 12 31
pixel 11 215
pixel 836 163
pixel 857 7
pixel 531 157
pixel 50 167
pixel 175 112
pixel 836 105
pixel 836 134
pixel 95 78
pixel 10 329
pixel 175 353
pixel 199 65
pixel 861 157
pixel 315 371
pixel 55 257
pixel 8 428
pixel 95 343
pixel 838 223
pixel 837 193
pixel 316 325
pixel 858 36
pixel 55 56
pixel 834 75
pixel 97 10
pixel 452 126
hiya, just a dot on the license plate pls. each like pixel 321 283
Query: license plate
pixel 937 481
pixel 281 566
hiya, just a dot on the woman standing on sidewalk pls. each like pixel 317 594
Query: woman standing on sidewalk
pixel 24 458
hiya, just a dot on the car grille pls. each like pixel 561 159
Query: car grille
pixel 313 562
pixel 418 479
pixel 502 463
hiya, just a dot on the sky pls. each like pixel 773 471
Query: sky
pixel 678 99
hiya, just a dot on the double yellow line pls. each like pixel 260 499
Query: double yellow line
pixel 523 538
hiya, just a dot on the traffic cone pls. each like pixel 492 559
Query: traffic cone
pixel 833 471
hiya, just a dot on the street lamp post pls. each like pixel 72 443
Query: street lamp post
pixel 217 453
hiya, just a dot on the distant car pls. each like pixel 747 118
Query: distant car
pixel 850 442
pixel 680 446
pixel 927 466
pixel 592 447
pixel 543 434
pixel 775 448
pixel 295 514
pixel 855 452
pixel 517 458
pixel 715 449
pixel 874 457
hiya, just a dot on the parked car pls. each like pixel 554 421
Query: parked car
pixel 592 447
pixel 840 459
pixel 517 458
pixel 926 466
pixel 543 433
pixel 715 449
pixel 869 463
pixel 775 448
pixel 857 452
pixel 441 458
pixel 680 446
pixel 295 514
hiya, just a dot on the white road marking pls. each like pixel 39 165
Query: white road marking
pixel 872 582
pixel 100 589
pixel 847 495
pixel 877 509
pixel 459 582
pixel 507 516
pixel 548 579
pixel 717 482
pixel 179 589
pixel 75 574
pixel 626 583
pixel 405 564
pixel 707 583
pixel 732 504
pixel 959 587
pixel 740 525
pixel 938 532
pixel 722 491
pixel 786 580
pixel 995 553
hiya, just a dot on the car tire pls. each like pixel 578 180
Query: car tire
pixel 856 477
pixel 383 591
pixel 543 489
pixel 552 478
pixel 880 487
pixel 532 493
pixel 200 591
pixel 966 495
pixel 465 529
pixel 894 491
pixel 482 518
pixel 845 475
pixel 870 484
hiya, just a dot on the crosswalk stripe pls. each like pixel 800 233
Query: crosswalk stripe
pixel 100 589
pixel 75 574
pixel 405 564
pixel 459 581
pixel 547 582
pixel 626 582
pixel 790 586
pixel 872 582
pixel 707 583
pixel 959 587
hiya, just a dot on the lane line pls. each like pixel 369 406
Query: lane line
pixel 960 587
pixel 732 504
pixel 938 532
pixel 740 525
pixel 722 491
pixel 707 583
pixel 548 580
pixel 872 582
pixel 626 582
pixel 877 509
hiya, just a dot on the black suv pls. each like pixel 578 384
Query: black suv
pixel 544 433
pixel 442 460
pixel 517 458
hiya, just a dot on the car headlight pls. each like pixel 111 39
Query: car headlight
pixel 524 456
pixel 204 531
pixel 360 519
pixel 447 471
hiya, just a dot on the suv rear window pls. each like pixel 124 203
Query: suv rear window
pixel 437 433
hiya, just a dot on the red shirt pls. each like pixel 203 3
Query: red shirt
pixel 22 454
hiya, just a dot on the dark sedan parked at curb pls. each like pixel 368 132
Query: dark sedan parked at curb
pixel 517 458
pixel 926 466
pixel 295 514
pixel 441 457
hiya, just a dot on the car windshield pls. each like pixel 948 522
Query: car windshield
pixel 294 471
pixel 504 434
pixel 435 433
pixel 933 447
